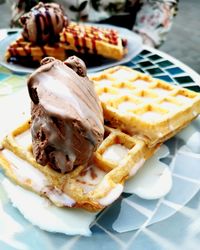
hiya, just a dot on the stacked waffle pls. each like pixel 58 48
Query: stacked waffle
pixel 141 112
pixel 83 39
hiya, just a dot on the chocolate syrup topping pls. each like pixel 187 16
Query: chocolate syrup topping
pixel 67 119
pixel 47 60
pixel 43 23
pixel 77 65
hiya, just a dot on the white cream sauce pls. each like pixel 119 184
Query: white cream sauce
pixel 60 198
pixel 24 172
pixel 46 216
pixel 153 180
pixel 191 137
pixel 136 167
pixel 112 195
pixel 115 153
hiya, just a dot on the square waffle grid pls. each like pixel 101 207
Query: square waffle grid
pixel 140 104
pixel 156 235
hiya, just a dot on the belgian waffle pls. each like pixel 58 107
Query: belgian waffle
pixel 141 105
pixel 129 99
pixel 22 51
pixel 92 187
pixel 89 39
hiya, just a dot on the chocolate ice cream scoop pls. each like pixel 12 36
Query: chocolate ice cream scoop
pixel 43 23
pixel 67 119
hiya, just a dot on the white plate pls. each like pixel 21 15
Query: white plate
pixel 134 48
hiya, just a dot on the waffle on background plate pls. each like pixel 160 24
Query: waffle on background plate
pixel 126 96
pixel 96 40
pixel 85 40
pixel 27 53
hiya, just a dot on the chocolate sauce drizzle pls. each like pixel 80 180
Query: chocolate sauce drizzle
pixel 15 49
pixel 93 33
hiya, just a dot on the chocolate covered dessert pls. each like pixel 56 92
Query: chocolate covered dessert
pixel 43 23
pixel 40 36
pixel 48 32
pixel 67 119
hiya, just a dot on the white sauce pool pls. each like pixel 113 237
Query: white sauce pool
pixel 46 216
pixel 153 180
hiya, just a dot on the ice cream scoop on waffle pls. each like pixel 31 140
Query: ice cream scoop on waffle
pixel 141 105
pixel 90 39
pixel 69 158
pixel 92 186
pixel 142 112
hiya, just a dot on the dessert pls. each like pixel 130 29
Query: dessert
pixel 125 147
pixel 43 23
pixel 87 39
pixel 90 187
pixel 48 32
pixel 40 35
pixel 67 120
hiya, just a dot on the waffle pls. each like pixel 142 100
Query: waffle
pixel 141 105
pixel 22 51
pixel 128 98
pixel 92 187
pixel 87 39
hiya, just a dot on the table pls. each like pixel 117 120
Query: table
pixel 180 231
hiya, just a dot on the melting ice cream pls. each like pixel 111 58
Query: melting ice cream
pixel 43 23
pixel 67 120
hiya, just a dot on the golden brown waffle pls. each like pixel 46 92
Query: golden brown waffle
pixel 129 99
pixel 24 51
pixel 142 105
pixel 92 187
pixel 84 38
